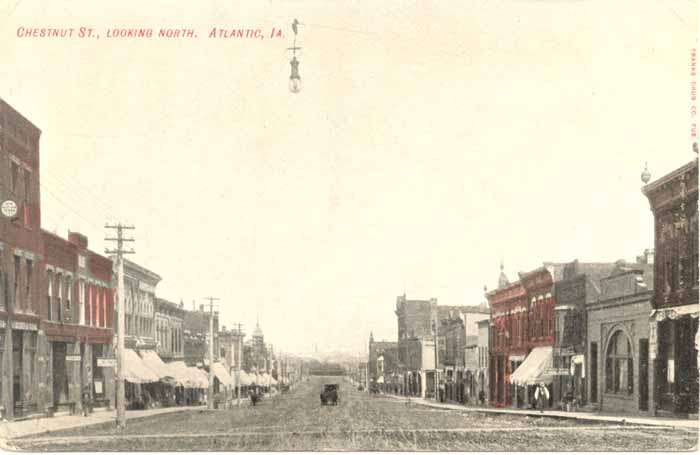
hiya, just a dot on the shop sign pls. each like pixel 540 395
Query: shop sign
pixel 104 362
pixel 21 325
pixel 73 358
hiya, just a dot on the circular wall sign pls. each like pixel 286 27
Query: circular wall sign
pixel 9 208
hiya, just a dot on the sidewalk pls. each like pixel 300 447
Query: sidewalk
pixel 580 416
pixel 9 430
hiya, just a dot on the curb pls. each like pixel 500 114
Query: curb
pixel 593 418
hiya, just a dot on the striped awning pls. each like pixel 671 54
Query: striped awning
pixel 535 369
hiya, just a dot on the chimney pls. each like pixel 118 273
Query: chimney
pixel 78 239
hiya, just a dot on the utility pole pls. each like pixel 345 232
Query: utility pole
pixel 437 398
pixel 240 361
pixel 210 400
pixel 120 252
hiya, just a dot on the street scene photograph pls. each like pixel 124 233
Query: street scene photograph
pixel 328 226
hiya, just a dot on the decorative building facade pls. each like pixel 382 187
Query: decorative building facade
pixel 509 341
pixel 673 337
pixel 618 340
pixel 139 306
pixel 169 319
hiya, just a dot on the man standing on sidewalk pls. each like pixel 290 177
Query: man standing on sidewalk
pixel 86 401
pixel 541 396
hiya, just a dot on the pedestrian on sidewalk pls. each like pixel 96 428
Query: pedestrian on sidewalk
pixel 86 401
pixel 541 396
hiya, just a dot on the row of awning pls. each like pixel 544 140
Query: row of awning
pixel 148 367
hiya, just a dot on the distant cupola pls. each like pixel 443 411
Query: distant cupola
pixel 502 279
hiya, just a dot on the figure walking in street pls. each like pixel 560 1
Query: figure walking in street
pixel 541 396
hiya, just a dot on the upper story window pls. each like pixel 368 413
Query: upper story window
pixel 49 309
pixel 27 185
pixel 28 284
pixel 14 176
pixel 18 270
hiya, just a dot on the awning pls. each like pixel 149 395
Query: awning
pixel 245 378
pixel 535 368
pixel 190 379
pixel 164 373
pixel 199 377
pixel 135 370
pixel 221 374
pixel 676 312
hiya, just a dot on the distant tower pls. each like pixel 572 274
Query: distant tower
pixel 502 279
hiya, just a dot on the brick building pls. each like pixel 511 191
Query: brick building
pixel 673 328
pixel 508 333
pixel 522 333
pixel 21 252
pixel 78 322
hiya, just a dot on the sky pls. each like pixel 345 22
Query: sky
pixel 431 141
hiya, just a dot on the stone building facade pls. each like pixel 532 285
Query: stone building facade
pixel 169 320
pixel 618 340
pixel 139 306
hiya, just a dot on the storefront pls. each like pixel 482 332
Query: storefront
pixel 19 369
pixel 618 339
pixel 534 370
pixel 673 333
pixel 137 377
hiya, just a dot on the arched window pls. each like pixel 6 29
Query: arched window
pixel 619 365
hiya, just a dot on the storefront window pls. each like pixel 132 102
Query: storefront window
pixel 619 367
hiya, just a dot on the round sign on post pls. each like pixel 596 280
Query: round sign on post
pixel 9 208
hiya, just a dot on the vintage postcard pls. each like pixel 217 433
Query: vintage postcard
pixel 348 226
